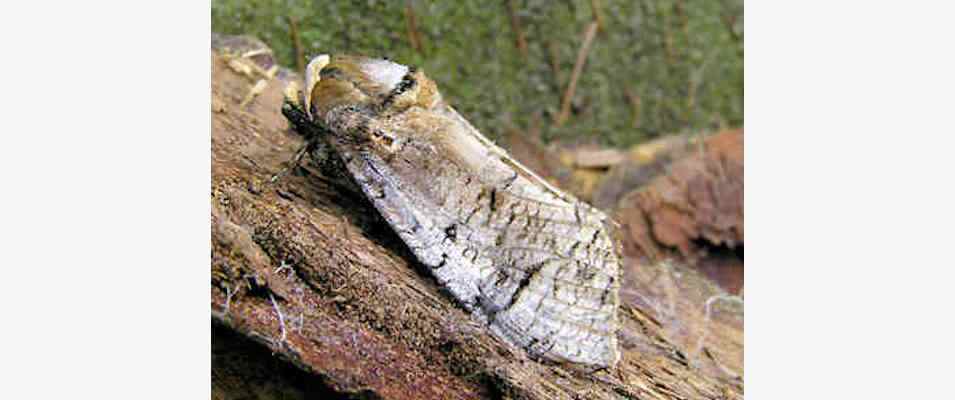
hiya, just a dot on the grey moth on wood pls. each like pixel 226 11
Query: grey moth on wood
pixel 532 262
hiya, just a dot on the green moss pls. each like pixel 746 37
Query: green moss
pixel 680 58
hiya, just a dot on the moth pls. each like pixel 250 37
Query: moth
pixel 533 263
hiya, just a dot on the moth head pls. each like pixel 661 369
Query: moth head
pixel 356 96
pixel 381 87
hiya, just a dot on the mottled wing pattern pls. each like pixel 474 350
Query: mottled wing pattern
pixel 538 266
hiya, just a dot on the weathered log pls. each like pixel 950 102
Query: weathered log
pixel 305 267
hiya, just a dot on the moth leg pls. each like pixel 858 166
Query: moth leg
pixel 300 122
pixel 294 162
pixel 319 150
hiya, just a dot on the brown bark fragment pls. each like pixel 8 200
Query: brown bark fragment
pixel 693 212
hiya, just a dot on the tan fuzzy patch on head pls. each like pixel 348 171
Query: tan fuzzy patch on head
pixel 312 77
pixel 428 95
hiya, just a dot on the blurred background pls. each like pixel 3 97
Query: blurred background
pixel 651 68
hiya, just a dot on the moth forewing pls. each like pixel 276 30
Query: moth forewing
pixel 492 148
pixel 534 263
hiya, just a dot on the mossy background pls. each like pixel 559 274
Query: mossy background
pixel 657 67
